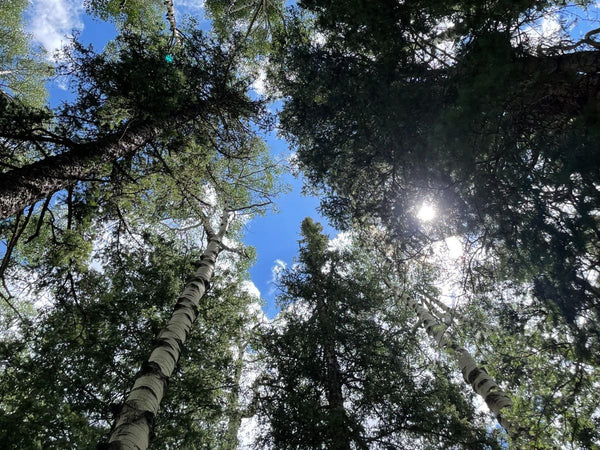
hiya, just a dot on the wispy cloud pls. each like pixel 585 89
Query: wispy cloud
pixel 52 22
pixel 249 287
pixel 276 270
pixel 191 7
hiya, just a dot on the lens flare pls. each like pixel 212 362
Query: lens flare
pixel 426 212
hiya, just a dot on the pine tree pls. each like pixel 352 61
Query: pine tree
pixel 451 101
pixel 342 367
pixel 126 104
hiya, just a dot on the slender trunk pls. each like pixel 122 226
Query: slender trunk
pixel 338 421
pixel 171 19
pixel 495 398
pixel 133 424
pixel 230 442
pixel 28 184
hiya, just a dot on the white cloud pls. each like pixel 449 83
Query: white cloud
pixel 259 85
pixel 191 7
pixel 52 22
pixel 249 287
pixel 277 269
pixel 341 242
pixel 275 274
pixel 249 429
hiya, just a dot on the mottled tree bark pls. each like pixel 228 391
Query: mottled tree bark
pixel 33 182
pixel 171 18
pixel 133 425
pixel 495 398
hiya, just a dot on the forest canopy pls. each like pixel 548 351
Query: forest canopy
pixel 453 146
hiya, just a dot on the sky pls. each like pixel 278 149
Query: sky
pixel 275 235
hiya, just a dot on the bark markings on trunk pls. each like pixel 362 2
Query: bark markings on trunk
pixel 133 425
pixel 171 18
pixel 481 382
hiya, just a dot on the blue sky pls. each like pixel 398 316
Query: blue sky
pixel 275 236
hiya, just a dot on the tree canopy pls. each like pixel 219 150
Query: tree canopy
pixel 454 102
pixel 127 315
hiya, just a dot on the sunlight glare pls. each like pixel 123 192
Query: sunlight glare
pixel 426 212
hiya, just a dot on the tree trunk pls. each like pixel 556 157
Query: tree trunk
pixel 495 398
pixel 133 425
pixel 28 184
pixel 171 19
pixel 338 423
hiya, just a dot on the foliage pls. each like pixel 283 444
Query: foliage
pixel 23 69
pixel 546 364
pixel 141 15
pixel 68 370
pixel 343 369
pixel 448 101
pixel 255 20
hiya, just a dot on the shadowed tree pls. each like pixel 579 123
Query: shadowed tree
pixel 393 103
pixel 343 369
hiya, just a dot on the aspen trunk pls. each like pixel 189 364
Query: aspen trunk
pixel 495 398
pixel 171 18
pixel 28 184
pixel 133 425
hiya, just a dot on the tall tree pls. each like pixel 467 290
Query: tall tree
pixel 238 192
pixel 125 104
pixel 66 373
pixel 343 369
pixel 396 103
pixel 546 363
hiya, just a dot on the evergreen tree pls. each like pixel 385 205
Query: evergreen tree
pixel 129 99
pixel 393 103
pixel 343 369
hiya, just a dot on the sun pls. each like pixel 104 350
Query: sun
pixel 426 212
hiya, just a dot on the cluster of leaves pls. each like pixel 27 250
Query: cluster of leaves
pixel 23 69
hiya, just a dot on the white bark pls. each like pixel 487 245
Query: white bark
pixel 495 398
pixel 133 425
pixel 171 19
